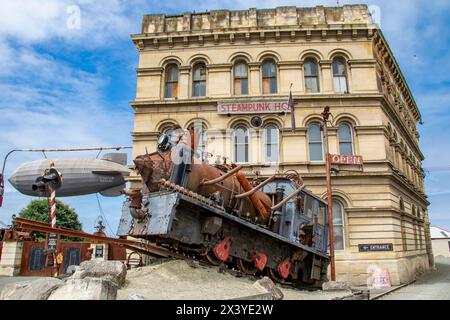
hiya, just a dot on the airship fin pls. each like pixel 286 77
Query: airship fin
pixel 113 192
pixel 120 158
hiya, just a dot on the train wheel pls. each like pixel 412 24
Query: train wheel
pixel 247 268
pixel 212 259
pixel 274 275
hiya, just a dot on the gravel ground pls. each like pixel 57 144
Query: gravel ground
pixel 434 285
pixel 178 280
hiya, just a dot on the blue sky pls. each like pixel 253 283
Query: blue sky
pixel 71 87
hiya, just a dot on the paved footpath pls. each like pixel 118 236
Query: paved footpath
pixel 434 285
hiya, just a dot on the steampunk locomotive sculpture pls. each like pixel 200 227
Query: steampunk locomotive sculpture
pixel 273 227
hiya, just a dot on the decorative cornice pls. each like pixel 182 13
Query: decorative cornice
pixel 149 71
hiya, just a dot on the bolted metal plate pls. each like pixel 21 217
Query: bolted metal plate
pixel 162 211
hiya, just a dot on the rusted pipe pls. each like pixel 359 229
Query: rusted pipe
pixel 223 177
pixel 259 186
pixel 293 194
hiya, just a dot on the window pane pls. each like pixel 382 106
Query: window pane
pixel 199 72
pixel 315 135
pixel 271 143
pixel 340 84
pixel 310 68
pixel 273 85
pixel 338 235
pixel 168 90
pixel 172 73
pixel 315 151
pixel 240 70
pixel 338 67
pixel 345 133
pixel 312 84
pixel 241 144
pixel 268 69
pixel 266 85
pixel 237 86
pixel 345 148
pixel 244 86
pixel 337 213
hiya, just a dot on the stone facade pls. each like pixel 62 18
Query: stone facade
pixel 11 258
pixel 384 204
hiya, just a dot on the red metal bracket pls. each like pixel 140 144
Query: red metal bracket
pixel 260 260
pixel 222 249
pixel 284 268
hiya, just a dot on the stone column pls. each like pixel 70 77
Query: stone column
pixel 183 82
pixel 11 259
pixel 326 79
pixel 255 78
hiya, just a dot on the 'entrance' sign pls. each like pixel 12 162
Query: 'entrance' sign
pixel 376 247
pixel 251 106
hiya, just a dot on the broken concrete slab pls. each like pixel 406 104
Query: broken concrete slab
pixel 266 285
pixel 39 289
pixel 335 286
pixel 114 271
pixel 86 289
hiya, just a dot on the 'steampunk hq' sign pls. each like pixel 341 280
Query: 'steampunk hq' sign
pixel 241 107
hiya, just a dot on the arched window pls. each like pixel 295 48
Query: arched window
pixel 269 76
pixel 241 144
pixel 413 210
pixel 241 78
pixel 340 75
pixel 199 80
pixel 315 142
pixel 171 78
pixel 271 143
pixel 345 139
pixel 311 76
pixel 338 225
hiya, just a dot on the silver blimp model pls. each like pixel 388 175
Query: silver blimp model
pixel 81 176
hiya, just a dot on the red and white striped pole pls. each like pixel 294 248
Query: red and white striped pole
pixel 52 202
pixel 52 207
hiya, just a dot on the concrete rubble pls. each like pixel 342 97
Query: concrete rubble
pixel 86 289
pixel 39 289
pixel 163 279
pixel 114 271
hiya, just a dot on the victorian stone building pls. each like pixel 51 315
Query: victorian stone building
pixel 230 73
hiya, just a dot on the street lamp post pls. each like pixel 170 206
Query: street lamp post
pixel 325 115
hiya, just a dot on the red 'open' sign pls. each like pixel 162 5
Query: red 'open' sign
pixel 342 159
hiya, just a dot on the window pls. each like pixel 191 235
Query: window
pixel 171 78
pixel 269 77
pixel 199 80
pixel 402 204
pixel 345 139
pixel 241 144
pixel 338 225
pixel 315 142
pixel 413 210
pixel 241 78
pixel 311 76
pixel 271 142
pixel 339 76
